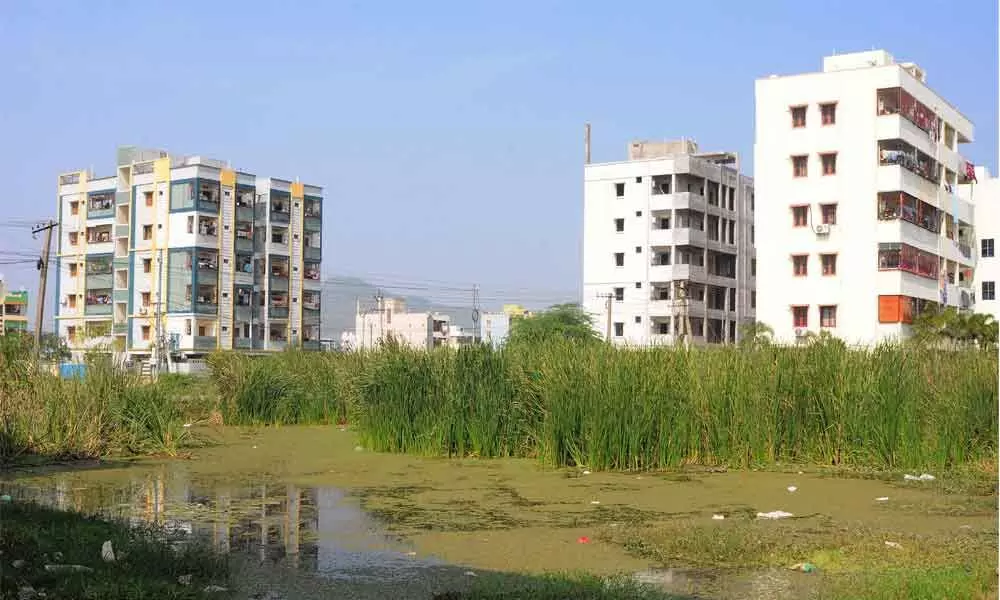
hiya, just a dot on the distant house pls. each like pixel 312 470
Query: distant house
pixel 389 319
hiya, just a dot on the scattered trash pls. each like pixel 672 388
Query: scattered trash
pixel 254 448
pixel 470 574
pixel 595 501
pixel 209 589
pixel 358 449
pixel 68 569
pixel 616 525
pixel 107 552
pixel 583 540
pixel 966 527
pixel 586 472
pixel 5 498
pixel 17 564
pixel 882 499
pixel 923 477
pixel 894 545
pixel 792 488
pixel 411 553
pixel 804 567
pixel 775 514
pixel 57 556
pixel 718 517
pixel 184 580
pixel 800 472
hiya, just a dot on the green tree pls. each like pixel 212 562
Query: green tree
pixel 951 328
pixel 53 348
pixel 756 335
pixel 562 321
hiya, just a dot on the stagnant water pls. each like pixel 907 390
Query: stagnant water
pixel 307 507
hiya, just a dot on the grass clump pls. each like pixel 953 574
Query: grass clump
pixel 148 565
pixel 566 403
pixel 556 587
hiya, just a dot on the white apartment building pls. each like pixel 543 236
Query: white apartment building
pixel 985 196
pixel 182 256
pixel 860 225
pixel 389 318
pixel 668 243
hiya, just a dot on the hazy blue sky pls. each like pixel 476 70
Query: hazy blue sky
pixel 448 135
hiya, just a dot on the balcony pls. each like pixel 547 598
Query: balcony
pixel 897 101
pixel 311 272
pixel 101 205
pixel 279 211
pixel 900 205
pixel 312 253
pixel 903 257
pixel 120 296
pixel 208 263
pixel 208 196
pixel 244 214
pixel 207 300
pixel 208 226
pixel 119 328
pixel 901 153
pixel 123 198
pixel 98 302
pixel 100 234
pixel 121 231
pixel 312 224
pixel 205 342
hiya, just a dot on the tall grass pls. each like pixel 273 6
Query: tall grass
pixel 567 404
pixel 107 411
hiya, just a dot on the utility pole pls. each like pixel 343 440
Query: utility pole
pixel 684 327
pixel 43 276
pixel 476 333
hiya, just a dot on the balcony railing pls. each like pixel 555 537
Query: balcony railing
pixel 277 312
pixel 205 342
pixel 910 159
pixel 893 101
pixel 902 257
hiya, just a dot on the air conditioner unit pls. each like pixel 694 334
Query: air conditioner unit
pixel 801 331
pixel 823 229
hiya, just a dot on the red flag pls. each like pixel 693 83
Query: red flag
pixel 970 172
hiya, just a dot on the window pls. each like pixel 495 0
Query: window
pixel 277 237
pixel 638 285
pixel 71 333
pixel 828 213
pixel 74 208
pixel 827 316
pixel 148 197
pixel 145 332
pixel 800 216
pixel 638 249
pixel 800 166
pixel 753 267
pixel 201 330
pixel 619 259
pixel 665 223
pixel 71 300
pixel 145 300
pixel 800 265
pixel 798 116
pixel 619 294
pixel 620 190
pixel 619 225
pixel 987 247
pixel 147 265
pixel 829 163
pixel 800 316
pixel 989 290
pixel 829 263
pixel 147 232
pixel 73 238
pixel 753 299
pixel 619 329
pixel 187 327
pixel 828 113
pixel 638 179
pixel 638 319
pixel 190 224
pixel 72 270
pixel 638 213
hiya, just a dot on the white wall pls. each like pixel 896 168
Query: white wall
pixel 986 196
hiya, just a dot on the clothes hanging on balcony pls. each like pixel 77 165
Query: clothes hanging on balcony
pixel 970 172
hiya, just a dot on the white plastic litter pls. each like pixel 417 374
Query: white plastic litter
pixel 586 472
pixel 186 425
pixel 470 574
pixel 209 589
pixel 894 545
pixel 923 477
pixel 184 580
pixel 882 499
pixel 107 552
pixel 595 501
pixel 718 517
pixel 792 488
pixel 775 514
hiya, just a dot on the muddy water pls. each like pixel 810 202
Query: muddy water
pixel 309 501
